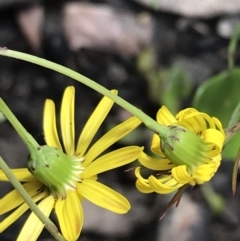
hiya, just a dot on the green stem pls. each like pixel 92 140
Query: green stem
pixel 216 201
pixel 155 4
pixel 235 173
pixel 148 121
pixel 29 141
pixel 50 226
pixel 233 46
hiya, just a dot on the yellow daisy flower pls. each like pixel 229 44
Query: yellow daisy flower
pixel 64 180
pixel 190 154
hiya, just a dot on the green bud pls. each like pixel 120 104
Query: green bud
pixel 55 169
pixel 183 147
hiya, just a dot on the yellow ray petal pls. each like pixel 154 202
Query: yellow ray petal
pixel 155 163
pixel 203 116
pixel 195 123
pixel 163 187
pixel 209 120
pixel 218 124
pixel 33 226
pixel 49 125
pixel 214 137
pixel 13 199
pixel 142 183
pixel 165 117
pixel 205 172
pixel 181 175
pixel 186 112
pixel 155 146
pixel 18 212
pixel 112 160
pixel 67 120
pixel 192 119
pixel 93 124
pixel 138 173
pixel 110 138
pixel 103 196
pixel 22 174
pixel 143 186
pixel 70 216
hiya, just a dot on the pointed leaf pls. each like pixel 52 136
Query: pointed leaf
pixel 219 97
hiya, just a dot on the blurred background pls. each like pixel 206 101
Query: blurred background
pixel 154 52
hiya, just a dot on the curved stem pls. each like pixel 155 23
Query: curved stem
pixel 233 47
pixel 50 226
pixel 148 121
pixel 32 146
pixel 29 141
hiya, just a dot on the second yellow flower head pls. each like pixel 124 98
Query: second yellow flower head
pixel 190 153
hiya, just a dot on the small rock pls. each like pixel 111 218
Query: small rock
pixel 197 71
pixel 198 9
pixel 227 25
pixel 187 222
pixel 98 27
pixel 13 3
pixel 31 21
pixel 104 28
pixel 104 222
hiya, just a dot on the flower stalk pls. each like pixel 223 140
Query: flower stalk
pixel 33 148
pixel 29 141
pixel 147 120
pixel 50 226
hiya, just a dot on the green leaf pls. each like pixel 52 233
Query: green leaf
pixel 235 116
pixel 176 86
pixel 233 46
pixel 166 86
pixel 218 97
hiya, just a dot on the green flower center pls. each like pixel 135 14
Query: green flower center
pixel 57 171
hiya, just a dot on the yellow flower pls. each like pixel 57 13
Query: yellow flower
pixel 86 163
pixel 190 154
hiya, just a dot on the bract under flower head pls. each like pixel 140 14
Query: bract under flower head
pixel 190 153
pixel 66 174
pixel 56 170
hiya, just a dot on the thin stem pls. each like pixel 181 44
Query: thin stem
pixel 233 46
pixel 215 200
pixel 32 146
pixel 29 141
pixel 235 173
pixel 50 226
pixel 148 121
pixel 155 4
